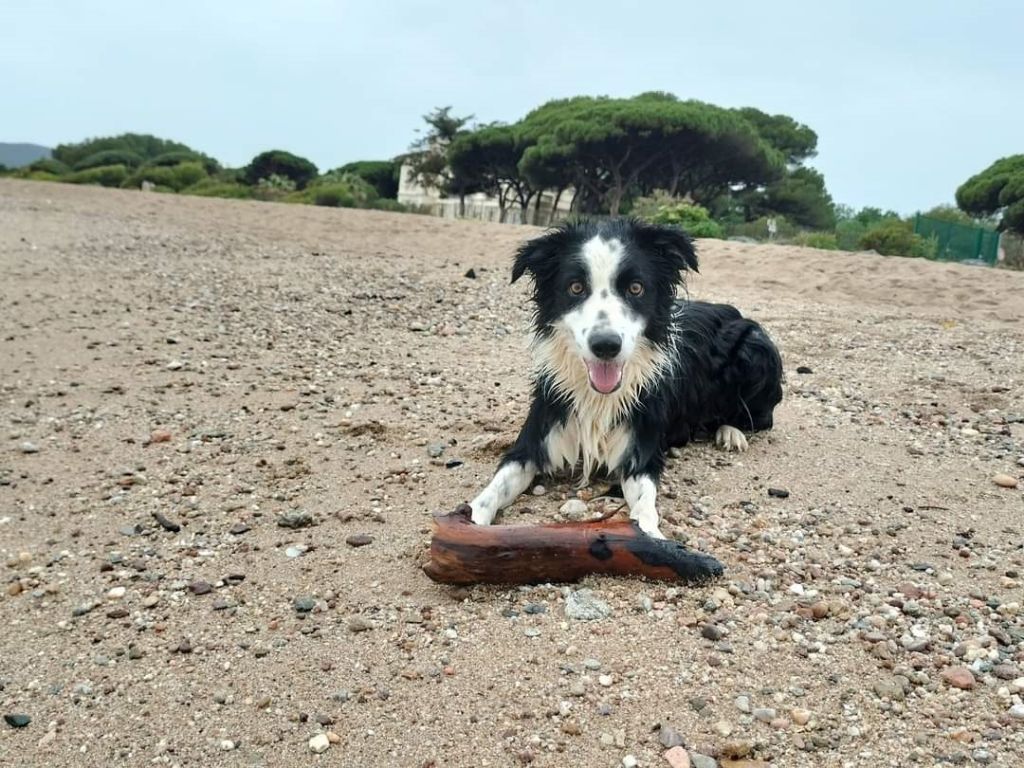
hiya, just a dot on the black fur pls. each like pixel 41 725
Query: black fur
pixel 726 371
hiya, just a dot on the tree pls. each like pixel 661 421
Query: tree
pixel 997 191
pixel 141 144
pixel 428 156
pixel 794 140
pixel 611 147
pixel 123 157
pixel 277 162
pixel 382 175
pixel 801 197
pixel 488 159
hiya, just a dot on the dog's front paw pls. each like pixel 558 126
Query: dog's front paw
pixel 731 439
pixel 481 515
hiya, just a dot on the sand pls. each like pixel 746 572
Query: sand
pixel 227 363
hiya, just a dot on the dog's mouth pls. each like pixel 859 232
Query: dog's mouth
pixel 605 377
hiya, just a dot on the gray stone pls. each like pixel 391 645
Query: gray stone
pixel 669 737
pixel 584 605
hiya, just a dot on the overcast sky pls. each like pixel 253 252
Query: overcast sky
pixel 908 97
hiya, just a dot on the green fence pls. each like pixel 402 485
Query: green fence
pixel 959 242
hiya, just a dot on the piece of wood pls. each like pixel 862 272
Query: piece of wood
pixel 464 553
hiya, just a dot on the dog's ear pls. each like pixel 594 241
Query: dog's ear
pixel 671 243
pixel 534 254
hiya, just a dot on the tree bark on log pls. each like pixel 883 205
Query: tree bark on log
pixel 464 553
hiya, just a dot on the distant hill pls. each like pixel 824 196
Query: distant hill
pixel 17 155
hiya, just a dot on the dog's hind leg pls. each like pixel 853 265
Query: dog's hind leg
pixel 512 478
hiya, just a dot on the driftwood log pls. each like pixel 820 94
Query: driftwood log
pixel 464 553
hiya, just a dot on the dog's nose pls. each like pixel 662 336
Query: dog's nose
pixel 605 344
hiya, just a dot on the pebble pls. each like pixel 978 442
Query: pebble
pixel 723 728
pixel 435 450
pixel 584 605
pixel 28 448
pixel 17 721
pixel 319 744
pixel 764 714
pixel 167 525
pixel 116 593
pixel 742 704
pixel 702 761
pixel 800 716
pixel 959 677
pixel 1004 481
pixel 160 436
pixel 1017 712
pixel 200 587
pixel 670 737
pixel 605 681
pixel 150 601
pixel 629 761
pixel 227 745
pixel 359 624
pixel 304 604
pixel 359 540
pixel 778 493
pixel 712 632
pixel 677 757
pixel 295 518
pixel 539 490
pixel 238 529
pixel 574 509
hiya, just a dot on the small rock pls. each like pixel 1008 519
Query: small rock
pixel 359 540
pixel 677 757
pixel 116 593
pixel 574 509
pixel 434 451
pixel 359 624
pixel 800 716
pixel 167 525
pixel 150 601
pixel 1005 481
pixel 764 714
pixel 539 490
pixel 238 529
pixel 629 761
pixel 670 737
pixel 28 448
pixel 159 436
pixel 712 632
pixel 605 681
pixel 584 605
pixel 1017 712
pixel 17 721
pixel 959 677
pixel 803 369
pixel 200 587
pixel 319 744
pixel 702 761
pixel 304 604
pixel 227 745
pixel 743 704
pixel 737 749
pixel 470 273
pixel 723 728
pixel 295 518
pixel 778 493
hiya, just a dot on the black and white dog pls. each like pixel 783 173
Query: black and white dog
pixel 624 369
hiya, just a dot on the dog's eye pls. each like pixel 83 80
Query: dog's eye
pixel 575 287
pixel 636 288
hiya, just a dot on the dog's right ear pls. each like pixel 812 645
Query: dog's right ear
pixel 534 254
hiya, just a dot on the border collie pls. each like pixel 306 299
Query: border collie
pixel 623 369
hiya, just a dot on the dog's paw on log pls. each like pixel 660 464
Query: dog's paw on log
pixel 464 553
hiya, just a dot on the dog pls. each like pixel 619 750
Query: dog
pixel 624 369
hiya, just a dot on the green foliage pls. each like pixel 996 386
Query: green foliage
pixel 892 237
pixel 178 157
pixel 825 241
pixel 175 178
pixel 427 157
pixel 124 157
pixel 952 214
pixel 662 209
pixel 334 196
pixel 49 165
pixel 382 175
pixel 361 191
pixel 801 197
pixel 143 145
pixel 997 191
pixel 488 159
pixel 758 229
pixel 794 140
pixel 283 164
pixel 211 187
pixel 851 225
pixel 105 175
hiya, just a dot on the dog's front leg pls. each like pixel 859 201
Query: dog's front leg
pixel 512 478
pixel 641 492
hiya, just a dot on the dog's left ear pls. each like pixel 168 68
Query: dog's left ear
pixel 534 254
pixel 670 243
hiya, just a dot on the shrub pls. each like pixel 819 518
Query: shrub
pixel 49 165
pixel 893 237
pixel 758 229
pixel 175 177
pixel 144 145
pixel 210 187
pixel 382 175
pixel 387 204
pixel 695 219
pixel 105 175
pixel 280 163
pixel 210 165
pixel 123 157
pixel 334 195
pixel 361 190
pixel 825 241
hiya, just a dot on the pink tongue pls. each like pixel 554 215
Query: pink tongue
pixel 604 377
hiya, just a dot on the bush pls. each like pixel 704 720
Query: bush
pixel 49 165
pixel 105 175
pixel 387 204
pixel 825 241
pixel 382 175
pixel 757 229
pixel 334 195
pixel 109 157
pixel 143 145
pixel 175 177
pixel 893 237
pixel 210 165
pixel 209 187
pixel 360 189
pixel 280 163
pixel 693 218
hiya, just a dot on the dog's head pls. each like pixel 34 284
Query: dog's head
pixel 608 287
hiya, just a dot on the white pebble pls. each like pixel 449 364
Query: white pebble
pixel 117 593
pixel 319 743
